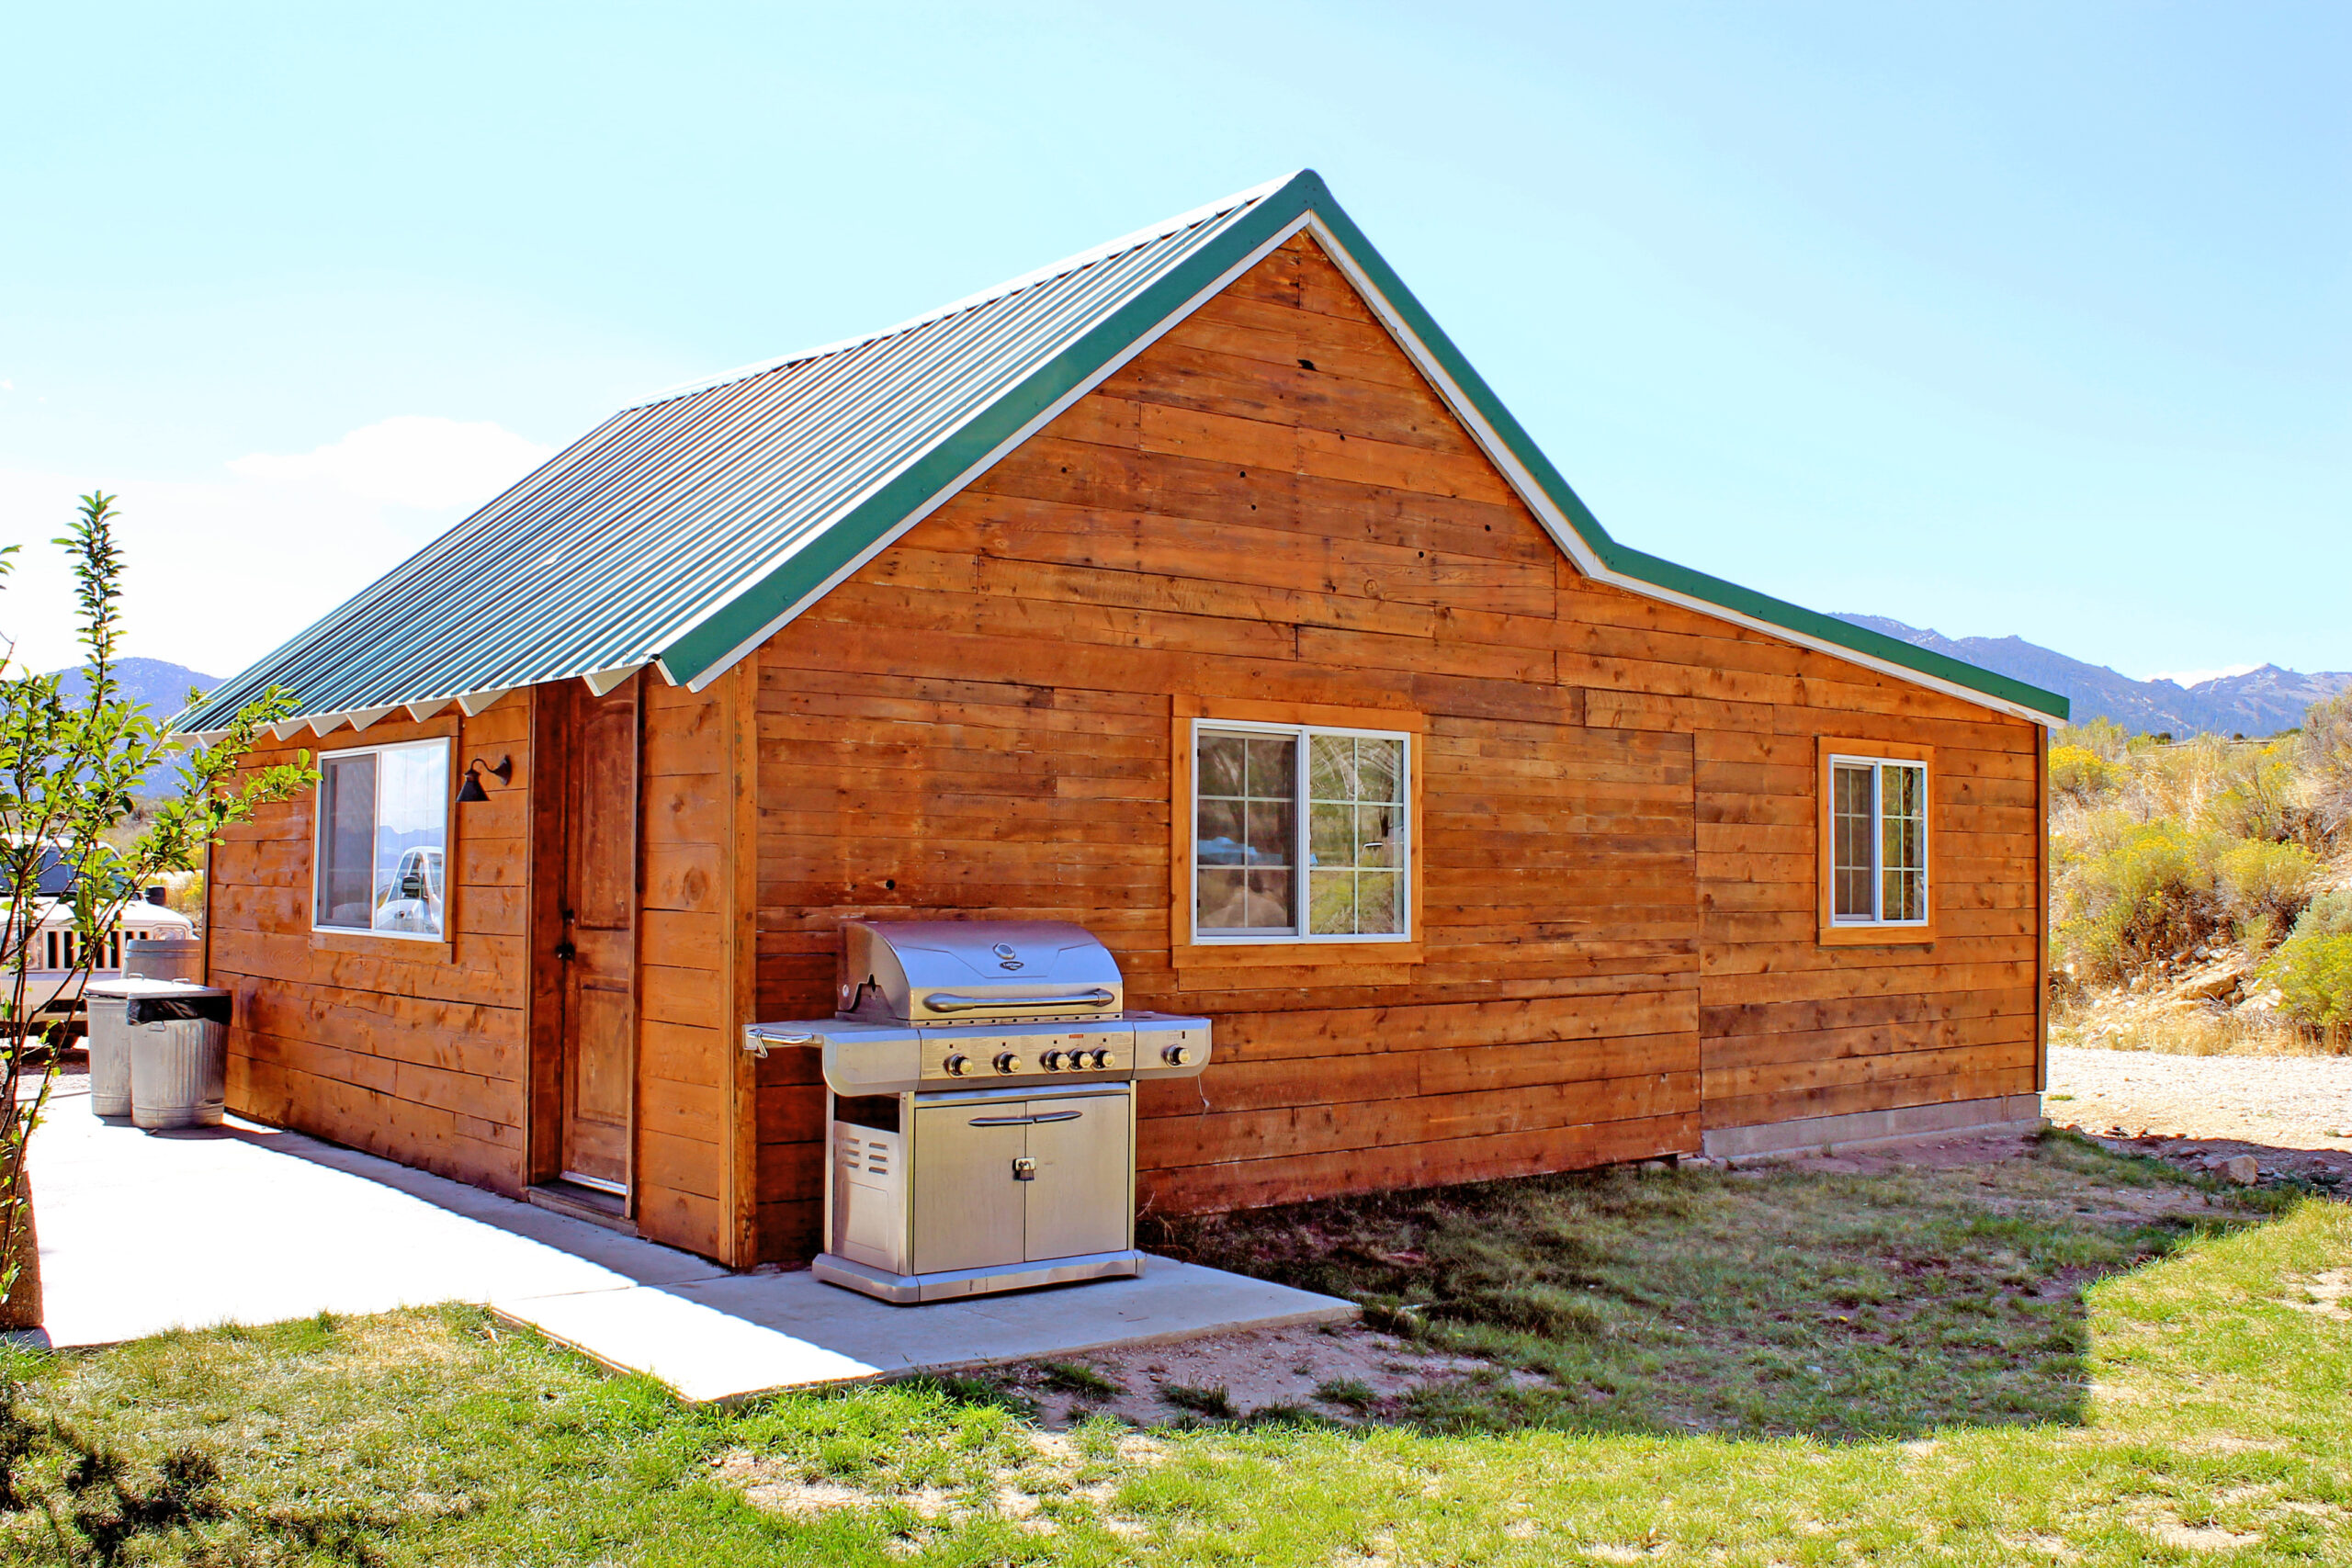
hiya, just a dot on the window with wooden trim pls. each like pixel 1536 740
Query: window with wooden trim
pixel 381 863
pixel 1301 833
pixel 1876 851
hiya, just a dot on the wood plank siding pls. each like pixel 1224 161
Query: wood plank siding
pixel 1269 504
pixel 415 1051
pixel 423 1053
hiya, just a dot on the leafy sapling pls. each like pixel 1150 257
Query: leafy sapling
pixel 68 768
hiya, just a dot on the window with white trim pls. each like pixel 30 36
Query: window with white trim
pixel 383 841
pixel 1878 822
pixel 1271 802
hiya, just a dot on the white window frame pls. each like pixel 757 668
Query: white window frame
pixel 1209 936
pixel 1877 920
pixel 448 834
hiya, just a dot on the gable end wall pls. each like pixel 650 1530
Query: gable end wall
pixel 1269 504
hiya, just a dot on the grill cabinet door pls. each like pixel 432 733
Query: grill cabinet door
pixel 968 1204
pixel 1078 1201
pixel 869 1208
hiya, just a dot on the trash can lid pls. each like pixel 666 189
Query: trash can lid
pixel 144 986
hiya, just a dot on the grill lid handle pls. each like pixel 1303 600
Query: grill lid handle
pixel 951 1001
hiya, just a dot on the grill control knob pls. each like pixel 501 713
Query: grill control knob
pixel 957 1065
pixel 1007 1061
pixel 1102 1060
pixel 1052 1061
pixel 1175 1056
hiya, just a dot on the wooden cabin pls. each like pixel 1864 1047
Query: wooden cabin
pixel 1195 589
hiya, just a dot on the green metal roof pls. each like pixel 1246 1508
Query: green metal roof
pixel 683 532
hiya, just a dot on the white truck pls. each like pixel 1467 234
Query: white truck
pixel 53 958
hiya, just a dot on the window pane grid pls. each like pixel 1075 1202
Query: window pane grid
pixel 1244 829
pixel 1339 797
pixel 1878 842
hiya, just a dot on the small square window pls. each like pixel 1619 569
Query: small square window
pixel 382 853
pixel 1877 849
pixel 1270 801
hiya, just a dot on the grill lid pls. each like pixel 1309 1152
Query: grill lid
pixel 976 971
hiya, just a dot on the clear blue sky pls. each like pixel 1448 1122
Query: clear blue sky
pixel 1993 318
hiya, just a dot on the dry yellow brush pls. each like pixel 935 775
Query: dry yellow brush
pixel 2214 875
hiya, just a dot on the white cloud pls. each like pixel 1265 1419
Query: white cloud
pixel 2185 679
pixel 220 572
pixel 409 460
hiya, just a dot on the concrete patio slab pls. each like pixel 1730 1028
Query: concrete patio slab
pixel 141 1233
pixel 751 1333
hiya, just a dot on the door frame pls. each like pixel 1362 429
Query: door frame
pixel 553 707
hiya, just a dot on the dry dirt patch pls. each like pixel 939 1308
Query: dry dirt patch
pixel 1055 1471
pixel 1339 1372
pixel 2294 1114
pixel 2325 1295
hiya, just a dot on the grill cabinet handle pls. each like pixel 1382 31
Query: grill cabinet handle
pixel 1025 1121
pixel 951 1001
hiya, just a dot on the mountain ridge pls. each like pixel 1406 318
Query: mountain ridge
pixel 2262 701
pixel 160 684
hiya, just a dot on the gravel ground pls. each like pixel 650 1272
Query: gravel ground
pixel 2293 1113
pixel 2304 1100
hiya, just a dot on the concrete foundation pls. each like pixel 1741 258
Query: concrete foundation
pixel 1868 1129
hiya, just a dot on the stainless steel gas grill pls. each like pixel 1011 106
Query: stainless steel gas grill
pixel 979 1089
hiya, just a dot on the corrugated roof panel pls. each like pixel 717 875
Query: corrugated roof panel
pixel 642 525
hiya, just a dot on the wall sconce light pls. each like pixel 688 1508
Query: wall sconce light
pixel 471 789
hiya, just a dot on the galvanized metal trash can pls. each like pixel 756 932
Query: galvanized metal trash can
pixel 179 1056
pixel 106 1002
pixel 164 958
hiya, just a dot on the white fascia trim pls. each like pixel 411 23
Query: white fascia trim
pixel 1557 524
pixel 599 682
pixel 949 491
pixel 473 703
pixel 422 711
pixel 363 718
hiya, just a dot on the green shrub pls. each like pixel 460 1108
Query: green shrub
pixel 2324 756
pixel 2102 738
pixel 2254 794
pixel 2130 892
pixel 2313 968
pixel 2264 883
pixel 2080 773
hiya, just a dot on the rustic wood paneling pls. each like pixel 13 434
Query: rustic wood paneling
pixel 685 1057
pixel 1619 933
pixel 414 1051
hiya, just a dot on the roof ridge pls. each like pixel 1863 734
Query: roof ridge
pixel 1030 279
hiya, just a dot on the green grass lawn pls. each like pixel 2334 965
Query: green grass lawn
pixel 2071 1357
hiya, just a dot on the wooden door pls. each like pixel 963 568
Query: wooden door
pixel 597 947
